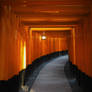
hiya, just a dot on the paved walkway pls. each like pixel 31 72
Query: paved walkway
pixel 52 77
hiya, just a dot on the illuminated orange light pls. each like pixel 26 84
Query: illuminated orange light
pixel 51 29
pixel 24 60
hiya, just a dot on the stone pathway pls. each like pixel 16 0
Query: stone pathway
pixel 52 77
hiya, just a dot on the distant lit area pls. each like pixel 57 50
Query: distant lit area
pixel 43 37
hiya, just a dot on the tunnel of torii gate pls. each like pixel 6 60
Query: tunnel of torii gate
pixel 31 29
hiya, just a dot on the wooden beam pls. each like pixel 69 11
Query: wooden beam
pixel 54 2
pixel 51 9
pixel 51 29
pixel 48 24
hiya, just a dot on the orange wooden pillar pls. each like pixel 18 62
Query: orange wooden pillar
pixel 71 46
pixel 88 40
